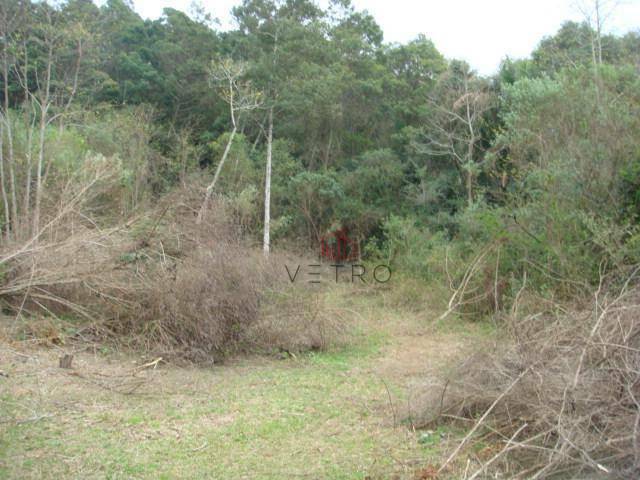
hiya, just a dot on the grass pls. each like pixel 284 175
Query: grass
pixel 319 415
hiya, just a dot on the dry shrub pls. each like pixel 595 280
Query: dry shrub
pixel 217 295
pixel 561 397
pixel 296 319
pixel 201 305
pixel 70 265
pixel 164 282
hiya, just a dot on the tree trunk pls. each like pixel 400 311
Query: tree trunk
pixel 599 32
pixel 26 209
pixel 207 197
pixel 12 176
pixel 470 145
pixel 12 221
pixel 267 187
pixel 470 165
pixel 39 167
pixel 5 198
pixel 44 110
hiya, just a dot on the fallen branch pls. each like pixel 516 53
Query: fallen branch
pixel 482 419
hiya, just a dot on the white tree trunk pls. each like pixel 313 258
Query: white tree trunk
pixel 13 218
pixel 39 168
pixel 267 187
pixel 27 183
pixel 5 198
pixel 44 110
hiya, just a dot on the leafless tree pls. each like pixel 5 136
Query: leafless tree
pixel 596 14
pixel 227 75
pixel 49 87
pixel 10 16
pixel 453 129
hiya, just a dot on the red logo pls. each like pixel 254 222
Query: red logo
pixel 336 246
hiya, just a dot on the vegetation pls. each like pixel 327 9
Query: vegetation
pixel 142 162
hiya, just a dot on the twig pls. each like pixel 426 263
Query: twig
pixel 153 364
pixel 499 454
pixel 201 447
pixel 393 409
pixel 456 299
pixel 482 419
pixel 36 418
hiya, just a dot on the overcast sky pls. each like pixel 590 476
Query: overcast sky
pixel 481 32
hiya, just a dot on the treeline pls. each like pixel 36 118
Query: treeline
pixel 405 148
pixel 340 98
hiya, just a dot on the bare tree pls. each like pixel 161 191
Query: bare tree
pixel 596 14
pixel 43 100
pixel 453 129
pixel 49 86
pixel 10 16
pixel 241 98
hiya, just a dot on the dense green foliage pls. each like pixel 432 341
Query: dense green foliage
pixel 422 159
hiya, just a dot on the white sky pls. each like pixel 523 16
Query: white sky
pixel 480 32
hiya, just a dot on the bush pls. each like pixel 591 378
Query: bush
pixel 296 320
pixel 166 284
pixel 563 387
pixel 408 248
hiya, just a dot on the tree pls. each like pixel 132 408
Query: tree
pixel 373 188
pixel 10 19
pixel 317 197
pixel 240 97
pixel 453 131
pixel 41 60
pixel 414 69
pixel 266 240
pixel 272 29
